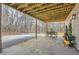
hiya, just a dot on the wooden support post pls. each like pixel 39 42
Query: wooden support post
pixel 36 30
pixel 46 28
pixel 0 28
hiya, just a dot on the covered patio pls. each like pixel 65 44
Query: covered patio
pixel 25 28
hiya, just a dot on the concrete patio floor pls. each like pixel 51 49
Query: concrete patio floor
pixel 40 46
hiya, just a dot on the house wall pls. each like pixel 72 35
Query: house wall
pixel 75 22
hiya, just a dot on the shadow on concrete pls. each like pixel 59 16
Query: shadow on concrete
pixel 13 41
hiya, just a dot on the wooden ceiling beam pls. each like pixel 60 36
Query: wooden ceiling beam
pixel 66 10
pixel 54 12
pixel 54 18
pixel 46 6
pixel 34 8
pixel 14 5
pixel 36 5
pixel 42 7
pixel 57 16
pixel 56 8
pixel 22 6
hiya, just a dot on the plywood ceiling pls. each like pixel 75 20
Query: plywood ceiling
pixel 48 12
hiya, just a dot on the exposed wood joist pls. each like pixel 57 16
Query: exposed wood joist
pixel 22 6
pixel 56 8
pixel 37 6
pixel 42 7
pixel 45 11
